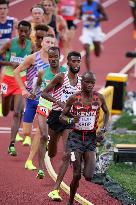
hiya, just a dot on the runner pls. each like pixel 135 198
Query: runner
pixel 57 22
pixel 45 106
pixel 81 143
pixel 37 12
pixel 63 85
pixel 36 65
pixel 92 14
pixel 15 51
pixel 68 10
pixel 7 23
pixel 40 31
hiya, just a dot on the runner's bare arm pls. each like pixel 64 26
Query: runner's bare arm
pixel 15 26
pixel 103 16
pixel 5 48
pixel 3 51
pixel 64 117
pixel 105 110
pixel 25 65
pixel 62 26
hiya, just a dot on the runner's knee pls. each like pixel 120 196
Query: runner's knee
pixel 44 138
pixel 17 114
pixel 88 176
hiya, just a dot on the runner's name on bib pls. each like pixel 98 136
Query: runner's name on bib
pixel 85 123
pixel 15 59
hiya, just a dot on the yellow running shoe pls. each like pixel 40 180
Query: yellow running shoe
pixel 29 165
pixel 54 195
pixel 1 115
pixel 27 141
pixel 19 138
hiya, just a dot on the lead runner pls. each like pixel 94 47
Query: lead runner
pixel 81 143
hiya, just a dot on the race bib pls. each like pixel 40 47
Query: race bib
pixel 45 110
pixel 15 59
pixel 89 23
pixel 86 122
pixel 45 103
pixel 4 88
pixel 67 10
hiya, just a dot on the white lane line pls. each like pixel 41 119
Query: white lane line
pixel 128 66
pixel 114 31
pixel 117 29
pixel 8 129
pixel 15 2
pixel 108 3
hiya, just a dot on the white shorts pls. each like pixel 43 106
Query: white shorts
pixel 91 35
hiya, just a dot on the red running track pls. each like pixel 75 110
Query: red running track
pixel 19 186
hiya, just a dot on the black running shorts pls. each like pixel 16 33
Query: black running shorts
pixel 54 122
pixel 81 141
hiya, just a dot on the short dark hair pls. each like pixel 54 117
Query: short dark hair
pixel 53 2
pixel 54 48
pixel 42 27
pixel 4 2
pixel 73 53
pixel 86 73
pixel 24 23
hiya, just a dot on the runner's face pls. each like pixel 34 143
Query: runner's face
pixel 3 10
pixel 37 17
pixel 88 82
pixel 53 57
pixel 48 6
pixel 23 32
pixel 74 64
pixel 39 37
pixel 48 42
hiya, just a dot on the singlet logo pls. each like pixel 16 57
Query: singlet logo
pixel 6 31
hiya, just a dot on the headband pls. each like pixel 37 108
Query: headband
pixel 38 9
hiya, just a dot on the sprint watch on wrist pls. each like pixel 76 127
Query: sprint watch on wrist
pixel 103 129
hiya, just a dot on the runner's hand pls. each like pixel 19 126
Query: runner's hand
pixel 25 93
pixel 76 118
pixel 32 96
pixel 61 104
pixel 14 65
pixel 100 136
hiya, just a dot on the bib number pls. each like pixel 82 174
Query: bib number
pixel 4 88
pixel 85 123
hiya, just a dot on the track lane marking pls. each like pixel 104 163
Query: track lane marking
pixel 13 3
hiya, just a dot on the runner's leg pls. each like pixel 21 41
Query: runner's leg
pixel 76 176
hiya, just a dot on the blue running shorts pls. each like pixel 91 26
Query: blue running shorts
pixel 30 110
